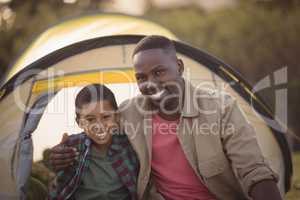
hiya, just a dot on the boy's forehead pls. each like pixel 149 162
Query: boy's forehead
pixel 97 106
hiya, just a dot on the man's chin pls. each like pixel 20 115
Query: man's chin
pixel 163 105
pixel 155 102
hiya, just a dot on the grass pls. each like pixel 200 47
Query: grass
pixel 294 194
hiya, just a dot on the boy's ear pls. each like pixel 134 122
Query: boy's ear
pixel 79 122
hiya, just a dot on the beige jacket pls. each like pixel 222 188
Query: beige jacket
pixel 215 136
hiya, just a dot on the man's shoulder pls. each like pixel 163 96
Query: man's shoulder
pixel 133 110
pixel 208 99
pixel 132 104
pixel 208 94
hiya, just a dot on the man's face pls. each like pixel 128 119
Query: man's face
pixel 159 77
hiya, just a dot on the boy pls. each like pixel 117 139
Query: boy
pixel 107 166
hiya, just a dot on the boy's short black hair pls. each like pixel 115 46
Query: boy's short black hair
pixel 92 93
pixel 154 42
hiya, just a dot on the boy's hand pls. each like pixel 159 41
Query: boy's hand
pixel 61 156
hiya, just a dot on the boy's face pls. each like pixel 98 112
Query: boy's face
pixel 99 120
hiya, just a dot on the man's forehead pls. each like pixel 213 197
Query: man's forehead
pixel 152 55
pixel 151 52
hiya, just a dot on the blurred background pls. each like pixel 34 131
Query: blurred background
pixel 256 37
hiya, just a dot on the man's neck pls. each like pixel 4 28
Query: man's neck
pixel 169 117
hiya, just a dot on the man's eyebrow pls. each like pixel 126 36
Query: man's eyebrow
pixel 160 66
pixel 157 67
pixel 139 74
pixel 154 68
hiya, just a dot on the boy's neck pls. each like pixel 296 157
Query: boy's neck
pixel 101 148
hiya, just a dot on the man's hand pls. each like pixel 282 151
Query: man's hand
pixel 61 156
pixel 266 189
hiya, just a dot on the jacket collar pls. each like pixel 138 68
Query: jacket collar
pixel 190 108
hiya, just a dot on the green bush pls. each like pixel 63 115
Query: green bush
pixel 249 37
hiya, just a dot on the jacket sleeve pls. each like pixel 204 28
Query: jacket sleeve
pixel 241 146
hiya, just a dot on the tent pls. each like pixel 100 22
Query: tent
pixel 97 49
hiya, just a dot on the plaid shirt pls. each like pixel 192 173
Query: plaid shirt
pixel 126 166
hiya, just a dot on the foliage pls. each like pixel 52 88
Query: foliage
pixel 31 17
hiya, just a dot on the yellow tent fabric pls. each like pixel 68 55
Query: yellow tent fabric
pixel 106 77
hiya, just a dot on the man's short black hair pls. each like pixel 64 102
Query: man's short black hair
pixel 92 93
pixel 154 42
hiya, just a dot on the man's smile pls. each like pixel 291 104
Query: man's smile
pixel 158 95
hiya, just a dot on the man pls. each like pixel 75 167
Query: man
pixel 191 143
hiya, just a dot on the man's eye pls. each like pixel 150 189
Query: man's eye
pixel 140 78
pixel 159 72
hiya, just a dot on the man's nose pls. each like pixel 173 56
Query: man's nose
pixel 150 86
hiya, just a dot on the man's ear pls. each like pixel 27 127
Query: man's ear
pixel 180 66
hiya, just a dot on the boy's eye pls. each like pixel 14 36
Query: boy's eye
pixel 106 116
pixel 91 119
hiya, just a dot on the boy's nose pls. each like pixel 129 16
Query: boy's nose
pixel 97 127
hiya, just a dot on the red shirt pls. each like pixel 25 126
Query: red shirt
pixel 174 177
